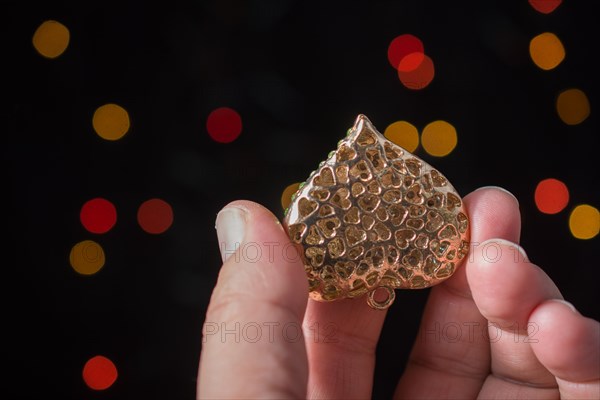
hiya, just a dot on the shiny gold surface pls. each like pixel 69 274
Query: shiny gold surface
pixel 376 216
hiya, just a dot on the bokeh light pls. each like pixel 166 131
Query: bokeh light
pixel 224 125
pixel 546 51
pixel 401 47
pixel 411 62
pixel 98 215
pixel 572 106
pixel 87 257
pixel 439 138
pixel 419 77
pixel 551 196
pixel 584 221
pixel 545 6
pixel 286 196
pixel 111 121
pixel 51 39
pixel 155 216
pixel 99 373
pixel 404 134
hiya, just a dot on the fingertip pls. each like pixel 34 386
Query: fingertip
pixel 259 228
pixel 494 213
pixel 567 304
pixel 253 210
pixel 565 342
pixel 258 258
pixel 496 189
pixel 505 285
pixel 248 205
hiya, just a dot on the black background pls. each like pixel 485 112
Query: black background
pixel 298 72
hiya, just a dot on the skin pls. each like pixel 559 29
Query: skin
pixel 500 293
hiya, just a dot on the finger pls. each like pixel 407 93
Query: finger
pixel 493 213
pixel 252 337
pixel 341 338
pixel 450 358
pixel 568 344
pixel 506 288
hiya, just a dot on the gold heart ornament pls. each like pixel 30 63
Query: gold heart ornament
pixel 376 216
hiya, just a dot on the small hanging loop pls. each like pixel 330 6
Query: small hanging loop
pixel 381 305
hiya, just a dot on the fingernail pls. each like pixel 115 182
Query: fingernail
pixel 515 246
pixel 231 228
pixel 507 243
pixel 566 303
pixel 500 189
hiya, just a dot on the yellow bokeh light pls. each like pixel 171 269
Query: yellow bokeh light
pixel 286 196
pixel 87 257
pixel 51 39
pixel 404 134
pixel 572 106
pixel 111 121
pixel 546 51
pixel 584 221
pixel 439 138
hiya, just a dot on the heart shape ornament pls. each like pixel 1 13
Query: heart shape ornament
pixel 376 216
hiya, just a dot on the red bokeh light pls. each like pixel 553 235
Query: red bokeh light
pixel 98 215
pixel 545 6
pixel 224 125
pixel 421 76
pixel 551 196
pixel 155 216
pixel 402 46
pixel 99 373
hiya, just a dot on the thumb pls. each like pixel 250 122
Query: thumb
pixel 252 345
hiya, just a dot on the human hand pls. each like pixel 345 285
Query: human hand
pixel 524 342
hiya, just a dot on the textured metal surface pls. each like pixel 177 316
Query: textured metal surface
pixel 375 216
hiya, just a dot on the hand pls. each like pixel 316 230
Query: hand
pixel 258 341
